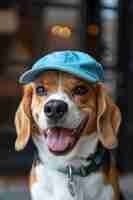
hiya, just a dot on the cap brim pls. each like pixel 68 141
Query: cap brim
pixel 31 75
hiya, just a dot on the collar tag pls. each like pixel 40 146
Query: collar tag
pixel 71 183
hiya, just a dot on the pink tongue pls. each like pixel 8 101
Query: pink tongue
pixel 59 139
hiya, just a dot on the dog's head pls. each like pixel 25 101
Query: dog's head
pixel 58 109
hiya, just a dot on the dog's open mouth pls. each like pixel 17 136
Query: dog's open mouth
pixel 62 140
pixel 59 140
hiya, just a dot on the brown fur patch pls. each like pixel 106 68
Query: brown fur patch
pixel 33 176
pixel 111 176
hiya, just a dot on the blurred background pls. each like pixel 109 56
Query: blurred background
pixel 32 28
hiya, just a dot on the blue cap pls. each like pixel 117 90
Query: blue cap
pixel 74 62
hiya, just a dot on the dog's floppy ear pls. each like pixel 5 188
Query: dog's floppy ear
pixel 108 118
pixel 23 119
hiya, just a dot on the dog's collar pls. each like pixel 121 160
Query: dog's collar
pixel 94 162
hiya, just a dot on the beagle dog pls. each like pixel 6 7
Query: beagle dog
pixel 74 125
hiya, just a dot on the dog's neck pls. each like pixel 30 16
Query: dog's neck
pixel 85 146
pixel 84 188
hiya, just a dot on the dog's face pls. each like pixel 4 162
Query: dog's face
pixel 62 106
pixel 59 109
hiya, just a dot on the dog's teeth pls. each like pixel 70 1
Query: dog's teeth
pixel 48 131
pixel 74 132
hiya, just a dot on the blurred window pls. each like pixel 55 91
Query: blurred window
pixel 112 3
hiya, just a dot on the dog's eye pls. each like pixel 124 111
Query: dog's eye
pixel 79 90
pixel 41 91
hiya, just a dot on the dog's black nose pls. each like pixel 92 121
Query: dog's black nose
pixel 55 109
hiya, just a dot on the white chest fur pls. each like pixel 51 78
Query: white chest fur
pixel 52 185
